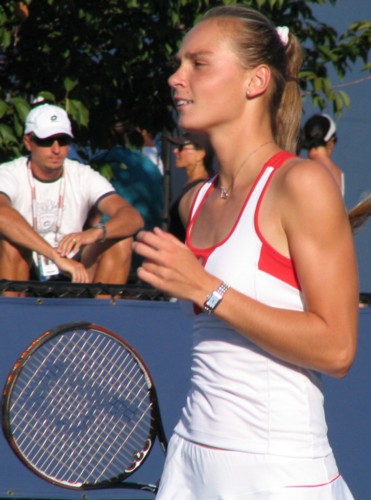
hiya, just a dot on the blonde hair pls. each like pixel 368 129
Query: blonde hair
pixel 258 42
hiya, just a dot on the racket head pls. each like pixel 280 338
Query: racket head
pixel 80 408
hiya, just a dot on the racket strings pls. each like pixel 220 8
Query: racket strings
pixel 70 417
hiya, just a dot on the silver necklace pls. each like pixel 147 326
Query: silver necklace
pixel 224 192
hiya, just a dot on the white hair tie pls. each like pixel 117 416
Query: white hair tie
pixel 283 33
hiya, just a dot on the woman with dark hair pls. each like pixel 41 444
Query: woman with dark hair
pixel 258 273
pixel 319 138
pixel 192 153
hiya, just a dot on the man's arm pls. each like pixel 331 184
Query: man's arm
pixel 15 228
pixel 124 221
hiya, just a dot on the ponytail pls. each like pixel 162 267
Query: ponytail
pixel 287 116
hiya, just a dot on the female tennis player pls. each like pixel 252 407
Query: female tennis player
pixel 269 269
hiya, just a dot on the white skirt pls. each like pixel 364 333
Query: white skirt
pixel 194 472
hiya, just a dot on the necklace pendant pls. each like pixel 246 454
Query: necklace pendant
pixel 223 193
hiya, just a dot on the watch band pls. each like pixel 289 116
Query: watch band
pixel 102 226
pixel 215 297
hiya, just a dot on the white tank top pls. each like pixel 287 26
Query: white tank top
pixel 242 398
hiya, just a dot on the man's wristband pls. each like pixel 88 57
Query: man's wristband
pixel 213 300
pixel 102 226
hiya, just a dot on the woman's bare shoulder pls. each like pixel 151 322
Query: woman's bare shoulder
pixel 300 175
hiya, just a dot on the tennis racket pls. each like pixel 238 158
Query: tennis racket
pixel 80 409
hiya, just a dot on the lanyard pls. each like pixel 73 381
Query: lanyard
pixel 34 202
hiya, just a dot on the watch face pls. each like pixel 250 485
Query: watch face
pixel 215 297
pixel 213 300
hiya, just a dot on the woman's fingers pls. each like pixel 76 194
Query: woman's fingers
pixel 154 246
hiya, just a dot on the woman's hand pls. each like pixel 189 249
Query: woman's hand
pixel 171 267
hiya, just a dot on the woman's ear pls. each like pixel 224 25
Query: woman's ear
pixel 258 81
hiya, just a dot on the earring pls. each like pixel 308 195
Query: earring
pixel 248 92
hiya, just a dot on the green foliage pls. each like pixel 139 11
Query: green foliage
pixel 112 58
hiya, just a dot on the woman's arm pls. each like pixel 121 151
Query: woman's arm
pixel 316 233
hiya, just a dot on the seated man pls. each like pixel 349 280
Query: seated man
pixel 45 200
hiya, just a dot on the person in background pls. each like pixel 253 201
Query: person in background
pixel 319 138
pixel 193 153
pixel 151 149
pixel 360 213
pixel 45 200
pixel 134 176
pixel 269 276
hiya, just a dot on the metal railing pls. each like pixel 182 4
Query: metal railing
pixel 63 289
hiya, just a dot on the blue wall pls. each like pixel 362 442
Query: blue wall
pixel 161 334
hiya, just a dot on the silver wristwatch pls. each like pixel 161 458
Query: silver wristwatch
pixel 102 226
pixel 215 297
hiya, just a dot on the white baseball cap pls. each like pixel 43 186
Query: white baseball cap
pixel 332 128
pixel 47 120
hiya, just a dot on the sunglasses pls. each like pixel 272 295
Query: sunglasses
pixel 63 140
pixel 187 145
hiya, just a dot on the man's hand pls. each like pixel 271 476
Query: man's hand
pixel 75 269
pixel 73 242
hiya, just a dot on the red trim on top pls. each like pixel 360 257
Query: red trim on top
pixel 204 253
pixel 277 265
pixel 191 218
pixel 279 159
pixel 271 261
pixel 202 184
